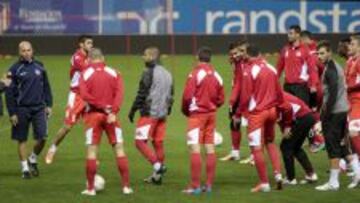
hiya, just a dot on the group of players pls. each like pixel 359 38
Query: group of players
pixel 316 93
pixel 317 97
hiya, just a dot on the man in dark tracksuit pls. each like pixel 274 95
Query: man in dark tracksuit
pixel 334 118
pixel 154 101
pixel 296 120
pixel 28 101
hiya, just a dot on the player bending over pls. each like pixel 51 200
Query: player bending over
pixel 75 105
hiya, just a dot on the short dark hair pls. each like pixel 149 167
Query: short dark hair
pixel 83 38
pixel 324 44
pixel 204 54
pixel 237 43
pixel 296 28
pixel 252 51
pixel 306 33
pixel 345 40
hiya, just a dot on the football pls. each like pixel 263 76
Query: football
pixel 99 183
pixel 218 139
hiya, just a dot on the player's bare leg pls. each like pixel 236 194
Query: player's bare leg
pixel 23 160
pixel 123 167
pixel 91 157
pixel 60 135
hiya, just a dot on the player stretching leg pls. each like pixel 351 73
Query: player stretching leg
pixel 75 104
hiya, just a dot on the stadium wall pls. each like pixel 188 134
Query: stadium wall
pixel 135 44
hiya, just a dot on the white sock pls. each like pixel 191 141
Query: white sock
pixel 157 166
pixel 355 166
pixel 24 166
pixel 334 177
pixel 235 153
pixel 53 148
pixel 33 158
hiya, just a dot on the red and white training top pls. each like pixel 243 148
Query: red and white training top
pixel 352 74
pixel 102 88
pixel 291 109
pixel 236 83
pixel 204 91
pixel 298 64
pixel 79 63
pixel 260 89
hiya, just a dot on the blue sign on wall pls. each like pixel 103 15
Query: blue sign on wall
pixel 176 16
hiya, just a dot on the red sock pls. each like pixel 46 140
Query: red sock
pixel 274 157
pixel 142 146
pixel 210 168
pixel 159 150
pixel 90 173
pixel 123 167
pixel 195 170
pixel 235 139
pixel 355 141
pixel 260 165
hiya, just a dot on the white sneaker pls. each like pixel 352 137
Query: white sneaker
pixel 355 182
pixel 327 187
pixel 288 182
pixel 249 160
pixel 309 179
pixel 89 192
pixel 127 190
pixel 262 187
pixel 49 158
pixel 230 157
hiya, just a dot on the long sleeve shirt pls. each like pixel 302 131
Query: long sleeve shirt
pixel 260 89
pixel 203 92
pixel 102 88
pixel 29 87
pixel 298 65
pixel 79 63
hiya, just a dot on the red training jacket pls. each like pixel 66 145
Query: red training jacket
pixel 260 89
pixel 352 74
pixel 298 64
pixel 79 63
pixel 102 88
pixel 204 91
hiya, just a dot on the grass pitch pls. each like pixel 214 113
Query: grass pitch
pixel 65 178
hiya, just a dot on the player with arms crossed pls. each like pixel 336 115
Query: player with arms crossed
pixel 75 105
pixel 101 87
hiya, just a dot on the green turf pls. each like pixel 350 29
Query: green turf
pixel 65 178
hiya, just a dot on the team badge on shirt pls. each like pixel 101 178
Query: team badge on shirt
pixel 37 72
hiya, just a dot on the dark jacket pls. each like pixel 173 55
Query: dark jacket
pixel 29 87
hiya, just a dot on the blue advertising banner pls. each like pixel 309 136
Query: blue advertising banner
pixel 176 16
